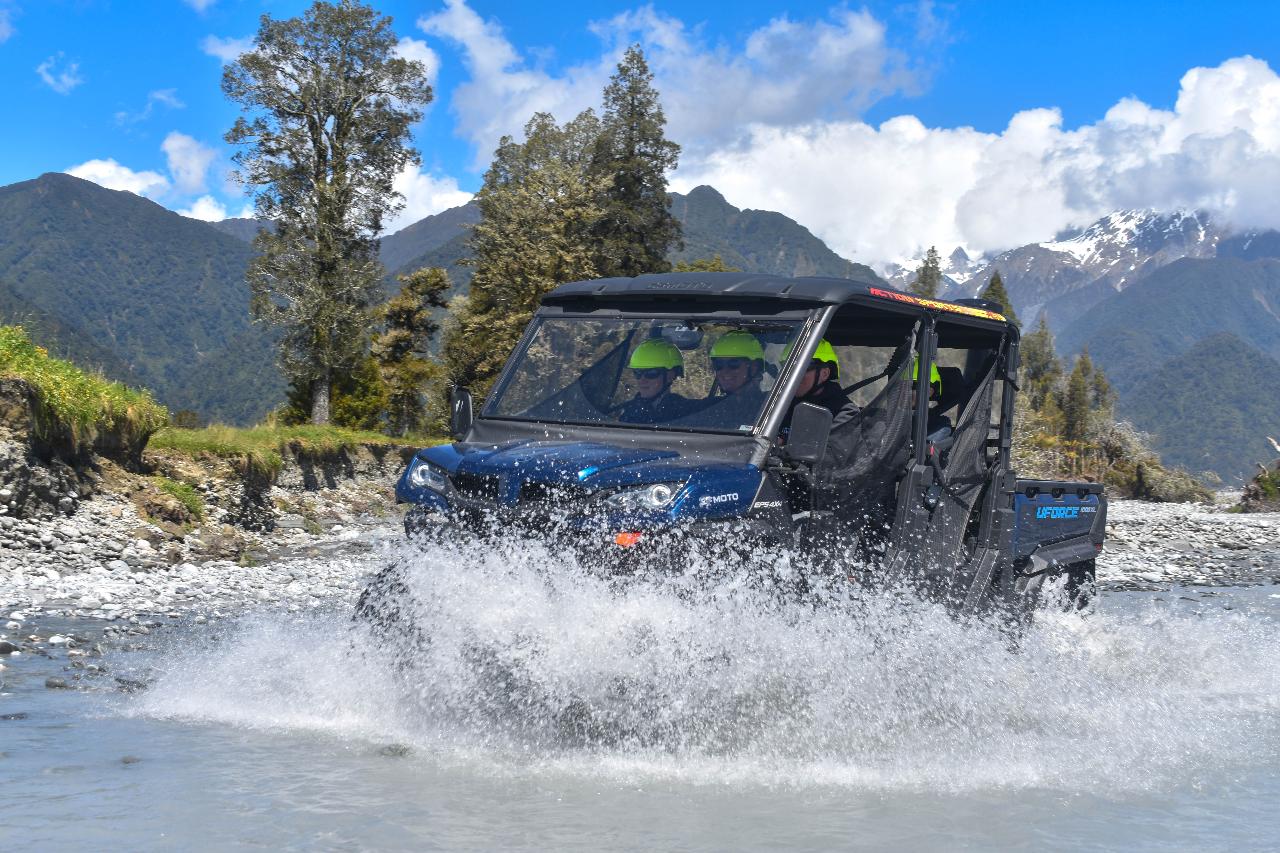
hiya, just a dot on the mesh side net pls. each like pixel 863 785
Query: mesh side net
pixel 965 469
pixel 866 454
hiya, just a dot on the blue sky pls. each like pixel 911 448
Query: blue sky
pixel 883 127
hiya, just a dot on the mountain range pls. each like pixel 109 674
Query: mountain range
pixel 1174 307
pixel 1144 292
pixel 151 298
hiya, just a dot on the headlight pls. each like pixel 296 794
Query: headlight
pixel 651 498
pixel 424 475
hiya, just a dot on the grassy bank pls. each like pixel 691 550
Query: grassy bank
pixel 83 404
pixel 260 449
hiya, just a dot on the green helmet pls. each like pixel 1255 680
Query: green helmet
pixel 656 352
pixel 738 344
pixel 935 378
pixel 824 353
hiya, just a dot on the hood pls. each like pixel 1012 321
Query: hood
pixel 556 461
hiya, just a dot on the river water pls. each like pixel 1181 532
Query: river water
pixel 552 711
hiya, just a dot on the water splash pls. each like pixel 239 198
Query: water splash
pixel 535 666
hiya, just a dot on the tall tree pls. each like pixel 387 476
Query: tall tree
pixel 328 109
pixel 402 349
pixel 928 282
pixel 636 228
pixel 538 205
pixel 1075 401
pixel 1040 363
pixel 996 293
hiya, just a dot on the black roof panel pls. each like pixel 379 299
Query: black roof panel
pixel 739 285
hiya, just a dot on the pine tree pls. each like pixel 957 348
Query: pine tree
pixel 636 228
pixel 712 264
pixel 538 205
pixel 928 281
pixel 1041 367
pixel 402 349
pixel 1075 402
pixel 330 106
pixel 996 293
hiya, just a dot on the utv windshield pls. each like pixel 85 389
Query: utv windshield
pixel 689 374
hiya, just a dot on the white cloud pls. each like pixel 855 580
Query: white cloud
pixel 424 195
pixel 189 161
pixel 6 25
pixel 786 72
pixel 207 208
pixel 200 5
pixel 110 174
pixel 167 97
pixel 417 50
pixel 226 49
pixel 60 79
pixel 884 193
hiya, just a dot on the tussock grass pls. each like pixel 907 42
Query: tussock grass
pixel 259 450
pixel 84 404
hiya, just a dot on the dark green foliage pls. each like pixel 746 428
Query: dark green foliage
pixel 1220 400
pixel 713 264
pixel 928 281
pixel 538 205
pixel 403 347
pixel 1161 344
pixel 635 229
pixel 1076 401
pixel 116 282
pixel 329 108
pixel 1041 367
pixel 996 293
pixel 358 400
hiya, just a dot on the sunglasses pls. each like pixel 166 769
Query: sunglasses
pixel 728 363
pixel 649 372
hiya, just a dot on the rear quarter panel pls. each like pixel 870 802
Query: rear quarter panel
pixel 1047 511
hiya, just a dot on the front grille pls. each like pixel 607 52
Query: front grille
pixel 481 486
pixel 532 492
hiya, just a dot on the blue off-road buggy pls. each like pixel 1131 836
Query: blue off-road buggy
pixel 875 493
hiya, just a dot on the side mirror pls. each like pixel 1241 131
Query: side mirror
pixel 810 429
pixel 461 411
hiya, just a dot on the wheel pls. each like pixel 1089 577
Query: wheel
pixel 1082 585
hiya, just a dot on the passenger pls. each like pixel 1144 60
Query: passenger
pixel 818 385
pixel 738 361
pixel 655 364
pixel 939 425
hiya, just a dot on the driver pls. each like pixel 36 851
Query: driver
pixel 655 364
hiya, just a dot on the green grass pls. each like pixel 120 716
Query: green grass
pixel 186 495
pixel 85 404
pixel 259 449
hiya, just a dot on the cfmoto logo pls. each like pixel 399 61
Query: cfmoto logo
pixel 711 500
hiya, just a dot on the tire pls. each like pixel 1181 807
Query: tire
pixel 1082 585
pixel 386 609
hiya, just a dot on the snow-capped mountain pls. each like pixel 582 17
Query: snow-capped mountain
pixel 1066 276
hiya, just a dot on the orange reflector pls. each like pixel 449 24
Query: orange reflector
pixel 626 540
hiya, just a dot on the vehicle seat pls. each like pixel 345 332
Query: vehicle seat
pixel 955 391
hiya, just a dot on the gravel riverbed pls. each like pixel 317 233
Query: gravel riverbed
pixel 95 565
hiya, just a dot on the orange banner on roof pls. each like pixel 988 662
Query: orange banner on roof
pixel 937 305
